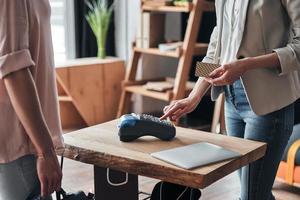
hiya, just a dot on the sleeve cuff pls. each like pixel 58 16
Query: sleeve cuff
pixel 287 58
pixel 207 59
pixel 14 62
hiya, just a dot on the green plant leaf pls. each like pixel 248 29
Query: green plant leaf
pixel 98 18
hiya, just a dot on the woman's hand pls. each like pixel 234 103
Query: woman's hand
pixel 49 173
pixel 228 73
pixel 179 108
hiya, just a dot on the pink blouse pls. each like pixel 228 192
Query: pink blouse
pixel 25 41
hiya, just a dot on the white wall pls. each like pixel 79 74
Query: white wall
pixel 127 20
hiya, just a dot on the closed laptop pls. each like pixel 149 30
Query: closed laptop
pixel 195 155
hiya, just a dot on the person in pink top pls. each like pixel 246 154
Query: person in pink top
pixel 30 129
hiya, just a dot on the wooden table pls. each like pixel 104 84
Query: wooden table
pixel 100 146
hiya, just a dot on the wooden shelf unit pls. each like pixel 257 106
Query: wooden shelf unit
pixel 184 55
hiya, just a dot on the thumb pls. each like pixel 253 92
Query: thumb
pixel 44 187
pixel 216 72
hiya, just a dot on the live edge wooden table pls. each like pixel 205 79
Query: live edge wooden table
pixel 100 146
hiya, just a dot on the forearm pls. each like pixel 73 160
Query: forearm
pixel 264 61
pixel 23 95
pixel 200 89
pixel 228 73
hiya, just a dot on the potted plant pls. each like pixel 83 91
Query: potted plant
pixel 98 17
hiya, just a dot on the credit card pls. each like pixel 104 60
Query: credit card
pixel 204 69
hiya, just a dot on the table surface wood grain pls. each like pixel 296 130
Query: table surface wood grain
pixel 99 145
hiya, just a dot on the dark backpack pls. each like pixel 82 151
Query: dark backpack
pixel 62 195
pixel 74 196
pixel 170 191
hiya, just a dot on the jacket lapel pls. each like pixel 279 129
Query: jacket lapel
pixel 220 10
pixel 242 24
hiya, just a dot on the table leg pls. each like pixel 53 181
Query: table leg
pixel 104 190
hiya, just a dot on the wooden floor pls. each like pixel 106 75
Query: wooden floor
pixel 78 176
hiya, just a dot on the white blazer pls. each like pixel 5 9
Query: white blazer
pixel 267 26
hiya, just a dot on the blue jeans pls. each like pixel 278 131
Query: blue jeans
pixel 274 129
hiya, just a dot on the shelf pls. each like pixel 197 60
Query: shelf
pixel 140 89
pixel 200 49
pixel 165 96
pixel 65 98
pixel 207 7
pixel 156 51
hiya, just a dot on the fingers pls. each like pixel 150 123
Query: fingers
pixel 172 117
pixel 49 174
pixel 57 177
pixel 58 182
pixel 165 116
pixel 170 111
pixel 217 77
pixel 217 72
pixel 54 183
pixel 223 80
pixel 225 75
pixel 177 115
pixel 166 110
pixel 44 187
pixel 51 185
pixel 217 81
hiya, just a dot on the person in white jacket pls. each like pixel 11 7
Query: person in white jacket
pixel 257 44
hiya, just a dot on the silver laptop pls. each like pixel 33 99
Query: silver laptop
pixel 195 155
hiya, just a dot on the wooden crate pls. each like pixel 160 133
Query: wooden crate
pixel 89 90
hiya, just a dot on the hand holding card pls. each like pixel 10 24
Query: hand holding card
pixel 204 69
